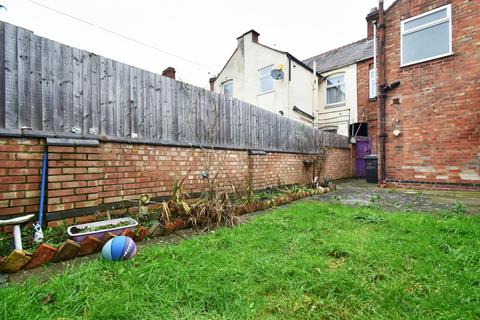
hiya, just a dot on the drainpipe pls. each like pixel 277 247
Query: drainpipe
pixel 382 85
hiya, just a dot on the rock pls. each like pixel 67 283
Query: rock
pixel 142 233
pixel 89 245
pixel 43 254
pixel 14 261
pixel 128 233
pixel 68 250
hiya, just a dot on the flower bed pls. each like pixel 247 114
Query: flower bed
pixel 174 215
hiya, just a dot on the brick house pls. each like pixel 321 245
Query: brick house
pixel 428 119
pixel 356 115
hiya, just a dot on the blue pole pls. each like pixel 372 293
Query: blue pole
pixel 38 235
pixel 42 192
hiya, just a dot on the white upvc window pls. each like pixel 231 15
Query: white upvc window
pixel 265 80
pixel 372 84
pixel 228 88
pixel 335 91
pixel 426 36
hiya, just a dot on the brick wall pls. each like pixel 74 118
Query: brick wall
pixel 96 178
pixel 437 103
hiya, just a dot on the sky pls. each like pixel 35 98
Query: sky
pixel 193 36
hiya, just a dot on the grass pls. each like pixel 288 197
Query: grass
pixel 306 261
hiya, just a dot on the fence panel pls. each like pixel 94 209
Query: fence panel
pixel 58 90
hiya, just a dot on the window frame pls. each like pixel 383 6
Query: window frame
pixel 336 104
pixel 372 86
pixel 448 18
pixel 260 78
pixel 223 87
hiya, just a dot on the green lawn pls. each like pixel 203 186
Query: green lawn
pixel 307 261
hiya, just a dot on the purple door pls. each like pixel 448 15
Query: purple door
pixel 362 149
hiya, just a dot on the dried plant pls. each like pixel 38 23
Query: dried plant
pixel 311 144
pixel 206 137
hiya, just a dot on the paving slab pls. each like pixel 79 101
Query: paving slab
pixel 68 250
pixel 357 192
pixel 43 254
pixel 14 261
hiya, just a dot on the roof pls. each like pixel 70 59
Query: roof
pixel 342 56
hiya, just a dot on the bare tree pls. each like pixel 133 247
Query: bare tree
pixel 311 144
pixel 205 134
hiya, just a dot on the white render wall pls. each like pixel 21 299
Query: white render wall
pixel 338 116
pixel 243 68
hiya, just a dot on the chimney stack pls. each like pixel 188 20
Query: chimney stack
pixel 169 72
pixel 252 34
pixel 372 16
pixel 212 83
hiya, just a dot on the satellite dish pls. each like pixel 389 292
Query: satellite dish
pixel 277 74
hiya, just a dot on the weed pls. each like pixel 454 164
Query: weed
pixel 459 208
pixel 368 219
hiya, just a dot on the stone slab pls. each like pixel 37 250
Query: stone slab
pixel 43 254
pixel 107 237
pixel 142 233
pixel 89 245
pixel 68 250
pixel 14 262
pixel 129 233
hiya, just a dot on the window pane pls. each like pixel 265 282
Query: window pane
pixel 334 80
pixel 425 19
pixel 373 85
pixel 265 72
pixel 426 43
pixel 266 80
pixel 228 89
pixel 336 94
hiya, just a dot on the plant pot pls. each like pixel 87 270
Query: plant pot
pixel 79 236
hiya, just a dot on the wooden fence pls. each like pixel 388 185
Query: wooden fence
pixel 50 89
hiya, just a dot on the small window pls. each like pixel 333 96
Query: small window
pixel 228 88
pixel 335 90
pixel 372 83
pixel 265 83
pixel 427 36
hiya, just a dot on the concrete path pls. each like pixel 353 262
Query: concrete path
pixel 359 192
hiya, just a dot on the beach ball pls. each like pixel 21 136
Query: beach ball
pixel 119 248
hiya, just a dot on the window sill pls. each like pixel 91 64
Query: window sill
pixel 266 92
pixel 427 59
pixel 340 104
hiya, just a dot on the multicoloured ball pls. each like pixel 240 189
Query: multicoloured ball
pixel 119 248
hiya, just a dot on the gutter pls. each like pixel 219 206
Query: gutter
pixel 382 81
pixel 383 87
pixel 303 113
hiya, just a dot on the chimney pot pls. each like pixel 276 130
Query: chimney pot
pixel 212 83
pixel 169 72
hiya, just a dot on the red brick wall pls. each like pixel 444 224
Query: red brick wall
pixel 81 177
pixel 437 103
